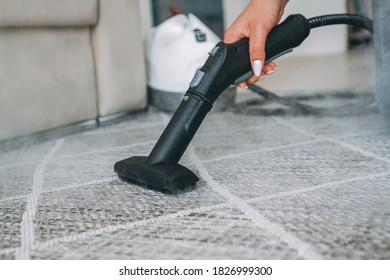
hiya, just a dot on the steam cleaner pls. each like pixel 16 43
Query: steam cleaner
pixel 227 64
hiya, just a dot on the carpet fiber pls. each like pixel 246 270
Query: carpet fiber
pixel 271 187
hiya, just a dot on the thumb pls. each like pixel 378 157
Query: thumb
pixel 258 36
pixel 231 35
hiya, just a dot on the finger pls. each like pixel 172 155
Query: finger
pixel 272 65
pixel 233 34
pixel 255 79
pixel 268 69
pixel 258 35
pixel 242 85
pixel 230 37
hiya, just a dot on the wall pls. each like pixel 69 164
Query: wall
pixel 330 40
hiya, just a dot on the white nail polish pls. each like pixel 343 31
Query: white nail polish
pixel 244 87
pixel 257 67
pixel 270 72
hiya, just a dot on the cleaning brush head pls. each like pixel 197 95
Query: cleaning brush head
pixel 163 177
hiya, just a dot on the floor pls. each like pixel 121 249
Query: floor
pixel 272 187
pixel 353 70
pixel 274 184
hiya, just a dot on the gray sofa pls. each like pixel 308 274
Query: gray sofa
pixel 66 61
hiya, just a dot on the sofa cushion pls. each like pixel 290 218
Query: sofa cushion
pixel 48 12
pixel 46 79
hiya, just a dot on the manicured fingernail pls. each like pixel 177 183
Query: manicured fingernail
pixel 270 72
pixel 257 67
pixel 242 86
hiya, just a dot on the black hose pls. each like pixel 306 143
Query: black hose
pixel 351 19
pixel 298 107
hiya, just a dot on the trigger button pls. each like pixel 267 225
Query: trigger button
pixel 197 78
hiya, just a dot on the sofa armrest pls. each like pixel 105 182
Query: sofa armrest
pixel 119 58
pixel 48 12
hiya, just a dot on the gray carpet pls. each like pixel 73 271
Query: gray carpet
pixel 272 187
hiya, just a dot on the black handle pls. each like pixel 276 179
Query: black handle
pixel 282 39
pixel 230 64
pixel 287 35
pixel 227 64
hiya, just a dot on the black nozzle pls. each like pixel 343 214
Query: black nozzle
pixel 164 177
pixel 227 64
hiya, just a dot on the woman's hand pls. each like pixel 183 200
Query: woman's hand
pixel 255 22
